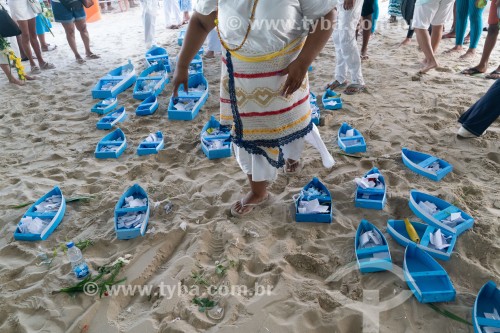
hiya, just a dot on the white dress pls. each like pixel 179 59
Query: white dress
pixel 173 15
pixel 21 10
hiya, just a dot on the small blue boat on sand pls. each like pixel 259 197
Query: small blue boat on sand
pixel 425 164
pixel 428 281
pixel 151 145
pixel 148 106
pixel 132 213
pixel 157 54
pixel 372 250
pixel 331 100
pixel 439 213
pixel 427 234
pixel 314 190
pixel 112 145
pixel 115 82
pixel 107 122
pixel 486 312
pixel 105 106
pixel 350 139
pixel 47 218
pixel 215 141
pixel 186 106
pixel 180 39
pixel 151 82
pixel 372 197
pixel 315 111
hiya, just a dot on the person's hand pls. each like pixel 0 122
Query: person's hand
pixel 296 72
pixel 181 76
pixel 349 4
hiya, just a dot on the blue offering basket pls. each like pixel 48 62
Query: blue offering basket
pixel 115 138
pixel 418 162
pixel 377 197
pixel 372 259
pixel 325 200
pixel 332 96
pixel 344 141
pixel 200 97
pixel 212 154
pixel 137 192
pixel 148 148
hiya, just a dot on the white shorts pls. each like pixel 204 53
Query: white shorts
pixel 21 10
pixel 433 12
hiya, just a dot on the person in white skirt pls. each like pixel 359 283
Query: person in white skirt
pixel 173 16
pixel 4 60
pixel 22 12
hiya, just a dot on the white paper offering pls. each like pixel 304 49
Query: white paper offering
pixel 369 239
pixel 31 225
pixel 439 241
pixel 454 219
pixel 494 316
pixel 152 138
pixel 131 202
pixel 349 133
pixel 331 103
pixel 434 167
pixel 428 207
pixel 312 207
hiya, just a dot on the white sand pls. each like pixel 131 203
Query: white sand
pixel 48 138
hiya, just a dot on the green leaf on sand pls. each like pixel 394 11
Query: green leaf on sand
pixel 350 155
pixel 203 303
pixel 448 314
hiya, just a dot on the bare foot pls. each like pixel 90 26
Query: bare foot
pixel 430 65
pixel 248 203
pixel 406 41
pixel 450 34
pixel 16 81
pixel 468 55
pixel 455 49
pixel 29 78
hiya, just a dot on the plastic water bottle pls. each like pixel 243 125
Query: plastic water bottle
pixel 78 264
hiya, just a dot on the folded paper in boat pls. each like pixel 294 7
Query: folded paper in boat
pixel 370 181
pixel 313 206
pixel 31 225
pixel 130 220
pixel 438 240
pixel 50 204
pixel 131 202
pixel 428 207
pixel 152 138
pixel 453 220
pixel 494 316
pixel 369 239
pixel 331 103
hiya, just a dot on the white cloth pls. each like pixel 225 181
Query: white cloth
pixel 149 12
pixel 259 167
pixel 431 13
pixel 21 10
pixel 172 12
pixel 346 48
pixel 277 23
pixel 12 40
pixel 213 42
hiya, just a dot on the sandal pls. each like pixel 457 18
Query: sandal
pixel 49 48
pixel 35 70
pixel 495 75
pixel 47 65
pixel 471 71
pixel 80 61
pixel 235 213
pixel 93 56
pixel 288 166
pixel 336 84
pixel 353 89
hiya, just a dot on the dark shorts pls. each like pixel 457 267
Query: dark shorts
pixel 63 15
pixel 368 8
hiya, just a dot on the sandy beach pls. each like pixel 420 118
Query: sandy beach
pixel 48 138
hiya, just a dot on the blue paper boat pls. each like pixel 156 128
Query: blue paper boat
pixel 147 148
pixel 418 162
pixel 151 82
pixel 397 230
pixel 105 106
pixel 128 233
pixel 198 97
pixel 107 122
pixel 323 200
pixel 157 54
pixel 445 211
pixel 351 144
pixel 486 309
pixel 206 139
pixel 372 259
pixel 371 198
pixel 112 145
pixel 315 111
pixel 428 281
pixel 115 82
pixel 51 218
pixel 331 100
pixel 147 107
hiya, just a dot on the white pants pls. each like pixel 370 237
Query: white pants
pixel 431 13
pixel 172 12
pixel 213 42
pixel 259 167
pixel 346 47
pixel 149 11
